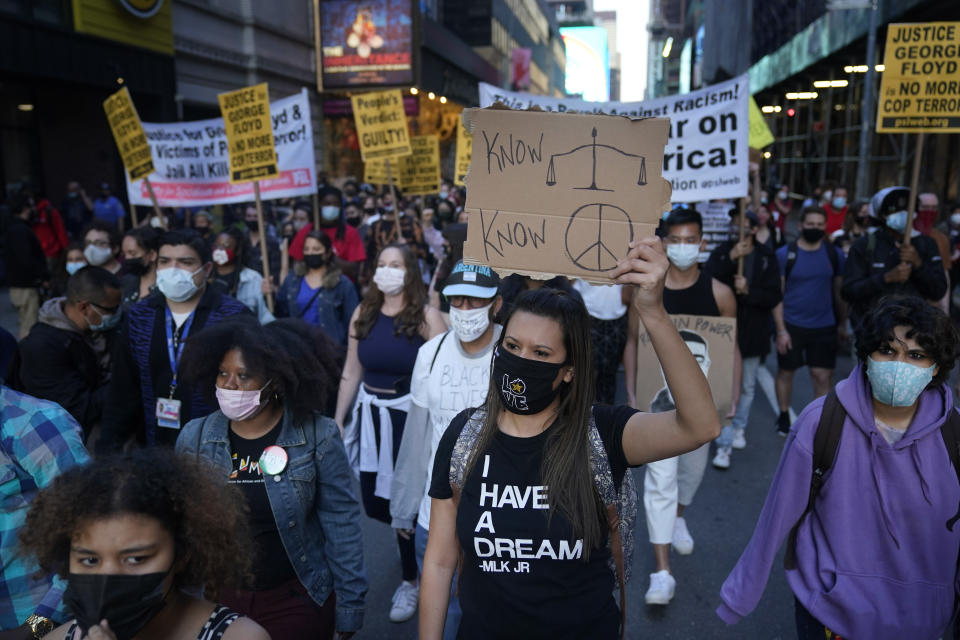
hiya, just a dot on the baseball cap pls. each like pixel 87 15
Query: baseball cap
pixel 474 280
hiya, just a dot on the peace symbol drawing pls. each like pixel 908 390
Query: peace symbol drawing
pixel 590 244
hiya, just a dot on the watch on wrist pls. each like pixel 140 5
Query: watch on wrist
pixel 39 626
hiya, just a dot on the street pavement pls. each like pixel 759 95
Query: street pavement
pixel 721 521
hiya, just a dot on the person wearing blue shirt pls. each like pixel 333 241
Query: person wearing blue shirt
pixel 812 319
pixel 38 442
pixel 108 208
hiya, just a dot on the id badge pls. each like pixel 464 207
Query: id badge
pixel 168 413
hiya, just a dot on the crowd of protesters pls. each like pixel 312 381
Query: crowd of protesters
pixel 232 384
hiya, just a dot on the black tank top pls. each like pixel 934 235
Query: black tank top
pixel 696 300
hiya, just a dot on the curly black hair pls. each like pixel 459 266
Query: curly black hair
pixel 929 326
pixel 298 359
pixel 206 516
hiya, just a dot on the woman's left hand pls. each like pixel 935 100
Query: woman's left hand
pixel 645 267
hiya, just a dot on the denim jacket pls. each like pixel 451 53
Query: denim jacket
pixel 313 504
pixel 334 306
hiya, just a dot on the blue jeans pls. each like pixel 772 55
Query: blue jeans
pixel 452 625
pixel 747 390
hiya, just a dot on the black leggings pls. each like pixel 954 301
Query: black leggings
pixel 379 508
pixel 808 627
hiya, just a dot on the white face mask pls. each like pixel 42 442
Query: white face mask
pixel 469 324
pixel 220 256
pixel 389 280
pixel 683 256
pixel 177 284
pixel 97 256
pixel 955 219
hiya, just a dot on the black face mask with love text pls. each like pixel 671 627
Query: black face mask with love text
pixel 526 386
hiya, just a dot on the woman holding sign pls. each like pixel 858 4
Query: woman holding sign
pixel 536 564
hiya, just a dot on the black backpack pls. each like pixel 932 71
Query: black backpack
pixel 825 444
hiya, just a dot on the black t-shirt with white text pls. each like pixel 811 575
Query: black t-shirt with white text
pixel 271 566
pixel 522 577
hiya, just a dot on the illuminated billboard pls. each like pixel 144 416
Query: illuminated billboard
pixel 588 62
pixel 366 43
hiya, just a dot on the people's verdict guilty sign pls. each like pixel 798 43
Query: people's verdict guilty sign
pixel 128 134
pixel 246 116
pixel 707 154
pixel 561 194
pixel 920 86
pixel 381 125
pixel 192 168
pixel 711 340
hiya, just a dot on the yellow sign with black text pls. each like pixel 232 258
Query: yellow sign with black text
pixel 760 134
pixel 920 87
pixel 420 171
pixel 246 119
pixel 128 134
pixel 464 151
pixel 375 171
pixel 381 124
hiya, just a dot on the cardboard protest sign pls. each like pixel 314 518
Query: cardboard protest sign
pixel 246 116
pixel 192 168
pixel 381 124
pixel 561 194
pixel 706 156
pixel 711 339
pixel 464 150
pixel 760 134
pixel 920 85
pixel 128 134
pixel 420 171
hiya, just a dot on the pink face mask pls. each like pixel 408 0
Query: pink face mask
pixel 239 404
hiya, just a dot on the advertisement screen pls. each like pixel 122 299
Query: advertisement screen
pixel 366 43
pixel 588 64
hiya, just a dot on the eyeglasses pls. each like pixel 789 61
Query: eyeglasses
pixel 468 302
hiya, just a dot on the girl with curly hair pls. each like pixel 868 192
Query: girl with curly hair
pixel 873 554
pixel 386 331
pixel 270 439
pixel 131 534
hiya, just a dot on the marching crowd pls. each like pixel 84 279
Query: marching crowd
pixel 191 404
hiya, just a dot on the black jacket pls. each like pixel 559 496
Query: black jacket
pixel 863 273
pixel 59 365
pixel 26 263
pixel 754 315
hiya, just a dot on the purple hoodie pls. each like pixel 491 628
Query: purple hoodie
pixel 874 556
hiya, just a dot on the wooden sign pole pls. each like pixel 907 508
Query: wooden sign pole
pixel 914 185
pixel 156 205
pixel 395 235
pixel 263 241
pixel 316 211
pixel 743 231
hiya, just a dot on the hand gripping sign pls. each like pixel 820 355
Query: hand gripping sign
pixel 561 194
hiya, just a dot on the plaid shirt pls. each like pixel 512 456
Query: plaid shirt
pixel 38 441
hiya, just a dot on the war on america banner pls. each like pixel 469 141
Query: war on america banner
pixel 707 154
pixel 192 163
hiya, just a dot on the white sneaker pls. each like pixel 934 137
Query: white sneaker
pixel 404 602
pixel 682 540
pixel 662 587
pixel 739 440
pixel 722 459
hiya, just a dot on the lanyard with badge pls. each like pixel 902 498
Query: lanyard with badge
pixel 168 409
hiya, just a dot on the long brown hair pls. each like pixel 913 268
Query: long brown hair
pixel 565 469
pixel 411 317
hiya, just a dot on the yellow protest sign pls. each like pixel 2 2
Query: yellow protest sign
pixel 375 171
pixel 920 89
pixel 246 119
pixel 464 151
pixel 381 124
pixel 128 134
pixel 760 134
pixel 420 171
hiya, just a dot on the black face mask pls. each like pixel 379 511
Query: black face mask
pixel 526 386
pixel 314 260
pixel 812 235
pixel 136 266
pixel 128 603
pixel 253 225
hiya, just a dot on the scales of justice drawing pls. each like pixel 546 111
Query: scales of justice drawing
pixel 597 256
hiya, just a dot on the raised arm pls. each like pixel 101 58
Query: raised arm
pixel 352 373
pixel 649 437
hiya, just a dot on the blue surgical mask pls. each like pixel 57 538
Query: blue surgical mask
pixel 330 213
pixel 73 267
pixel 897 384
pixel 897 221
pixel 107 320
pixel 839 202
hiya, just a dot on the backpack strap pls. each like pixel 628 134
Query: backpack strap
pixel 834 259
pixel 437 352
pixel 950 430
pixel 825 444
pixel 871 249
pixel 791 260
